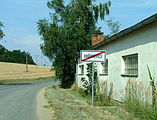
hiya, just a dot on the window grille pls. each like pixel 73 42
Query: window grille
pixel 131 64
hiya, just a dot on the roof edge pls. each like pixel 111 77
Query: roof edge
pixel 128 30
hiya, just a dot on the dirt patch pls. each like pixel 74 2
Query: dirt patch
pixel 44 112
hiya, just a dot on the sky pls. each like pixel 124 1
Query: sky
pixel 20 20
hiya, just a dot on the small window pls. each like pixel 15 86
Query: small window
pixel 131 64
pixel 81 69
pixel 105 67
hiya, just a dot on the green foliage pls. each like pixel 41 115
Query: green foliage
pixel 15 56
pixel 152 83
pixel 150 76
pixel 1 32
pixel 101 97
pixel 82 92
pixel 87 84
pixel 68 32
pixel 102 100
pixel 138 106
pixel 139 109
pixel 114 26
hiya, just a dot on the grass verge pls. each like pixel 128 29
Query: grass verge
pixel 142 111
pixel 71 105
pixel 18 81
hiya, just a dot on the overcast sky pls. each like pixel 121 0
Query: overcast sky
pixel 20 17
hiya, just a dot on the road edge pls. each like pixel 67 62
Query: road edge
pixel 43 110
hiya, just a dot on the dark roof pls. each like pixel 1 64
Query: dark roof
pixel 126 31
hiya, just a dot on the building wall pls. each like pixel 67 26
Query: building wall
pixel 79 76
pixel 144 43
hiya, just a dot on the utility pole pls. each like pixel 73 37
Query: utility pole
pixel 41 59
pixel 26 63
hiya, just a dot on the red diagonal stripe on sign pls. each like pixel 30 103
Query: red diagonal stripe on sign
pixel 93 56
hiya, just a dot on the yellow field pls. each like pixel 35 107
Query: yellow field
pixel 18 71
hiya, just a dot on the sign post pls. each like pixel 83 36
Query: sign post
pixel 93 56
pixel 93 83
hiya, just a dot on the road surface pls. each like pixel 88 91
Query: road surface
pixel 18 102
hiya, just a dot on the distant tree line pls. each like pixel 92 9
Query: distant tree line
pixel 15 56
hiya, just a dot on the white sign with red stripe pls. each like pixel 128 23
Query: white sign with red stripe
pixel 93 55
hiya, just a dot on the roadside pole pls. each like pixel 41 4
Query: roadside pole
pixel 26 63
pixel 93 83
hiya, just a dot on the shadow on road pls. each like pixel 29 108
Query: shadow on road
pixel 18 84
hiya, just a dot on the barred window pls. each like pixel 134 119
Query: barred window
pixel 131 64
pixel 105 67
pixel 81 69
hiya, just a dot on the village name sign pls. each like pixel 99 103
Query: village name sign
pixel 93 55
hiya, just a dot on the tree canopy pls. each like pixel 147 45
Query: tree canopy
pixel 67 32
pixel 114 26
pixel 15 56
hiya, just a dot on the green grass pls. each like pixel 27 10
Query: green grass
pixel 18 81
pixel 141 110
pixel 138 101
pixel 69 104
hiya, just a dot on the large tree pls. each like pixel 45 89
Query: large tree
pixel 67 32
pixel 1 32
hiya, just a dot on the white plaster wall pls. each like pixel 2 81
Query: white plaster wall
pixel 143 42
pixel 79 82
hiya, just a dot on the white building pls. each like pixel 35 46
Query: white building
pixel 129 52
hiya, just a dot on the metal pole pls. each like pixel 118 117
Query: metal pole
pixel 93 83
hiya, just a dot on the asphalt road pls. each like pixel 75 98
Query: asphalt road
pixel 18 102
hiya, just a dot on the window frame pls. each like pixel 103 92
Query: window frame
pixel 104 70
pixel 130 65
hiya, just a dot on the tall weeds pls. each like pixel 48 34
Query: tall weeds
pixel 102 94
pixel 138 100
pixel 152 83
